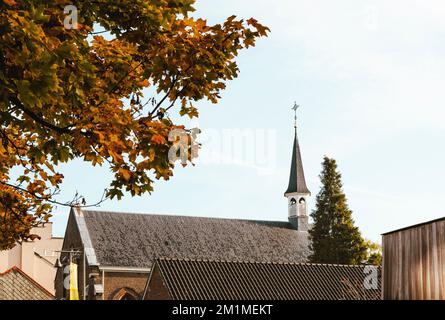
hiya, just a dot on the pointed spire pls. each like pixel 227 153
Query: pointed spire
pixel 297 182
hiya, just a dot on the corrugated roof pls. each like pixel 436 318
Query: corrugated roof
pixel 297 182
pixel 136 240
pixel 17 285
pixel 228 280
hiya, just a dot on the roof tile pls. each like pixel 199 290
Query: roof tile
pixel 136 240
pixel 17 285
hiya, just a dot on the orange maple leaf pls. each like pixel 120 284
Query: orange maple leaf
pixel 10 2
pixel 158 139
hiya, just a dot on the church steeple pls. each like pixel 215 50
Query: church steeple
pixel 297 182
pixel 297 192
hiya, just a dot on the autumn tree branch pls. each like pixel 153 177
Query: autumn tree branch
pixel 66 204
pixel 38 119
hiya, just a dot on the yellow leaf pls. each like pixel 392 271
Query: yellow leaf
pixel 43 175
pixel 125 173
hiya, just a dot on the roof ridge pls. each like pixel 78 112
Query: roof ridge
pixel 261 262
pixel 181 216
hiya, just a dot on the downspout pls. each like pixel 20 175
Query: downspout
pixel 84 275
pixel 103 284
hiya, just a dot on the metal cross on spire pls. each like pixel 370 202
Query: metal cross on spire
pixel 295 107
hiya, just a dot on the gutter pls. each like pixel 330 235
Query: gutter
pixel 124 269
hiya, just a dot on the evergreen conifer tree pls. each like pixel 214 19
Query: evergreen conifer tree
pixel 334 237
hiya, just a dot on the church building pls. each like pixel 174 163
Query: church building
pixel 115 252
pixel 127 256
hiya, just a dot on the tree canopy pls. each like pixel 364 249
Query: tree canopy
pixel 69 93
pixel 334 237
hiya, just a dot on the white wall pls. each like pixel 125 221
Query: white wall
pixel 39 267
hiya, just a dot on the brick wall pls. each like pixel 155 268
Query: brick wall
pixel 156 288
pixel 115 281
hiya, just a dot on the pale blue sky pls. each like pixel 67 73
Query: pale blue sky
pixel 369 75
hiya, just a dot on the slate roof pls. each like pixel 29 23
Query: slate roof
pixel 226 280
pixel 136 240
pixel 17 285
pixel 297 182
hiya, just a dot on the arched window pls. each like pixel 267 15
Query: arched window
pixel 127 296
pixel 124 294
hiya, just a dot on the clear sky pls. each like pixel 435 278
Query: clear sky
pixel 369 76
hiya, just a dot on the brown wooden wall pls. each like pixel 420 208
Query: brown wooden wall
pixel 414 263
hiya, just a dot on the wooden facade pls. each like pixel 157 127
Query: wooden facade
pixel 414 262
